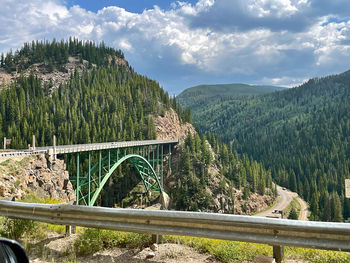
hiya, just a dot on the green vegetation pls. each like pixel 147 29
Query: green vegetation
pixel 18 228
pixel 107 102
pixel 110 102
pixel 91 240
pixel 202 97
pixel 292 211
pixel 232 251
pixel 204 94
pixel 301 134
pixel 56 54
pixel 198 154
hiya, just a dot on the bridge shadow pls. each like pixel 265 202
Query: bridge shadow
pixel 123 188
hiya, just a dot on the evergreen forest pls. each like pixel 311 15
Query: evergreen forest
pixel 110 102
pixel 301 134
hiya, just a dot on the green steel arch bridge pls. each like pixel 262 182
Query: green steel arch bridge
pixel 147 157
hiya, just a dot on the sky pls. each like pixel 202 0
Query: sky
pixel 186 43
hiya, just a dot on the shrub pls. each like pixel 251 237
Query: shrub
pixel 88 242
pixel 17 228
pixel 93 240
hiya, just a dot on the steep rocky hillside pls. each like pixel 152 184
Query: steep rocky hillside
pixel 21 176
pixel 221 195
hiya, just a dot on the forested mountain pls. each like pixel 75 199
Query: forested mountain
pixel 302 134
pixel 204 94
pixel 57 53
pixel 108 101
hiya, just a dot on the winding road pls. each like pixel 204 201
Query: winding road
pixel 284 199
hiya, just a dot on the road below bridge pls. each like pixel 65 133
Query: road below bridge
pixel 284 199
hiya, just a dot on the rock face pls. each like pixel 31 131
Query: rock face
pixel 33 175
pixel 169 127
pixel 55 76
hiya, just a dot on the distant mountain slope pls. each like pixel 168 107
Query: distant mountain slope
pixel 302 134
pixel 203 93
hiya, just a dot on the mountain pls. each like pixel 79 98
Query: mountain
pixel 302 134
pixel 204 93
pixel 86 93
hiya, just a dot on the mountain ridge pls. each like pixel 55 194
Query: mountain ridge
pixel 201 93
pixel 302 134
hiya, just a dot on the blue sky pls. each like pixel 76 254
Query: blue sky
pixel 135 6
pixel 185 43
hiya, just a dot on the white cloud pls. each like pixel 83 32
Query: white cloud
pixel 278 8
pixel 283 81
pixel 168 38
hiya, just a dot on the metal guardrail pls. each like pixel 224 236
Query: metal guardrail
pixel 20 153
pixel 275 232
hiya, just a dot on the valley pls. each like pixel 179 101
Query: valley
pixel 175 131
pixel 301 134
pixel 98 98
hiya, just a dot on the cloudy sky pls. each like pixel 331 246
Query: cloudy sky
pixel 185 43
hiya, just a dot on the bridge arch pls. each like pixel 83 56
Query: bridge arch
pixel 144 168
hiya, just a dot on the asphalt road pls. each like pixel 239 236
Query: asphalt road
pixel 284 200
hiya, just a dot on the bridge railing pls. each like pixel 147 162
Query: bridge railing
pixel 9 154
pixel 275 232
pixel 63 149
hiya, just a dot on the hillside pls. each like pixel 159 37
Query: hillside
pixel 301 134
pixel 100 98
pixel 204 94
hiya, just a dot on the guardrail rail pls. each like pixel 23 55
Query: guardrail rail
pixel 275 232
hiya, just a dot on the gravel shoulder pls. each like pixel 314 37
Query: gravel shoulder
pixel 304 209
pixel 58 249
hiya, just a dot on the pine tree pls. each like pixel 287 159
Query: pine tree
pixel 336 208
pixel 293 214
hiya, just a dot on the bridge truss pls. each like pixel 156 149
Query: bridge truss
pixel 148 160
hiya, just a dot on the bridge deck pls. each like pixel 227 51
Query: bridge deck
pixel 62 149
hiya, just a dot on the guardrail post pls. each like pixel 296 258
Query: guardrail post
pixel 69 228
pixel 157 239
pixel 4 143
pixel 33 142
pixel 278 253
pixel 54 148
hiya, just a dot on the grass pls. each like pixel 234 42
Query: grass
pixel 28 229
pixel 233 251
pixel 5 163
pixel 91 240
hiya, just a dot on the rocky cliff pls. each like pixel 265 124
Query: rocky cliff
pixel 53 76
pixel 32 174
pixel 169 127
